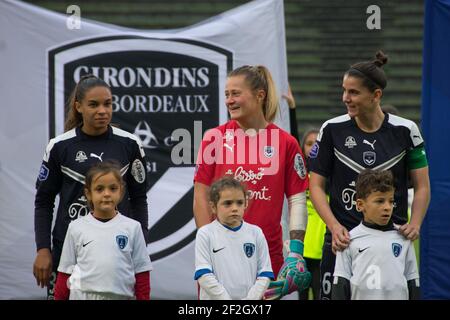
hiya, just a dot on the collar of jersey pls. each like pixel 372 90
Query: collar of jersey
pixel 233 229
pixel 101 219
pixel 99 137
pixel 388 227
pixel 383 124
pixel 235 125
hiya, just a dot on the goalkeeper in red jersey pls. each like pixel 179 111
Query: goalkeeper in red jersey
pixel 252 149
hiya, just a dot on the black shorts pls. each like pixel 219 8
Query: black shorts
pixel 313 266
pixel 327 268
pixel 56 256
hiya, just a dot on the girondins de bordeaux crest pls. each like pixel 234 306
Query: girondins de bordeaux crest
pixel 158 86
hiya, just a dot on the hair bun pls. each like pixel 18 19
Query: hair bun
pixel 380 59
pixel 87 76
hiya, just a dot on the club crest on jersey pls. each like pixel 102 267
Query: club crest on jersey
pixel 299 166
pixel 249 249
pixel 122 241
pixel 80 157
pixel 369 157
pixel 43 173
pixel 269 151
pixel 314 152
pixel 350 142
pixel 396 249
pixel 138 171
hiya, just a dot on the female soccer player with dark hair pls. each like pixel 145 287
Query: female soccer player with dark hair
pixel 365 137
pixel 89 139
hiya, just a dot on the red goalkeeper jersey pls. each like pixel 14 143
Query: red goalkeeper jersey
pixel 271 165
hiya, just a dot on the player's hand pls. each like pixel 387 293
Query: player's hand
pixel 410 231
pixel 282 286
pixel 42 268
pixel 293 274
pixel 290 98
pixel 340 238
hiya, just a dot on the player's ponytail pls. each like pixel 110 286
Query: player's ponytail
pixel 259 78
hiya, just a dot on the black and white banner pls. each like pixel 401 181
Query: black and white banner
pixel 168 88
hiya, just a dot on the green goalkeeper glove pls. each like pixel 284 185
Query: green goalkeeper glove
pixel 293 274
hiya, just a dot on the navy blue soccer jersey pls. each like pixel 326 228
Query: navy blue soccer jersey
pixel 66 161
pixel 343 150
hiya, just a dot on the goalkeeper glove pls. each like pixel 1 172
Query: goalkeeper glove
pixel 293 274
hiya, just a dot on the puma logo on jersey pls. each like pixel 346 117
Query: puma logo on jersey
pixel 228 147
pixel 93 155
pixel 370 144
pixel 215 251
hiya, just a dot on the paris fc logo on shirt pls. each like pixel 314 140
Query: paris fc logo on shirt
pixel 396 249
pixel 249 249
pixel 122 241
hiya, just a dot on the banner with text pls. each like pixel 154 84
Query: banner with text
pixel 168 89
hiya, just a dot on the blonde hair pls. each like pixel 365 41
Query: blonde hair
pixel 259 78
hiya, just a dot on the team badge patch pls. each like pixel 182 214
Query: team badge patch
pixel 122 241
pixel 369 157
pixel 249 249
pixel 350 142
pixel 80 157
pixel 268 151
pixel 396 249
pixel 138 171
pixel 299 166
pixel 43 173
pixel 314 152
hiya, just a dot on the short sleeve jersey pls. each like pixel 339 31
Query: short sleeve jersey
pixel 378 264
pixel 271 165
pixel 104 256
pixel 342 151
pixel 66 161
pixel 235 257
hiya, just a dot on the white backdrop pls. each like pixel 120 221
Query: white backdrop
pixel 254 33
